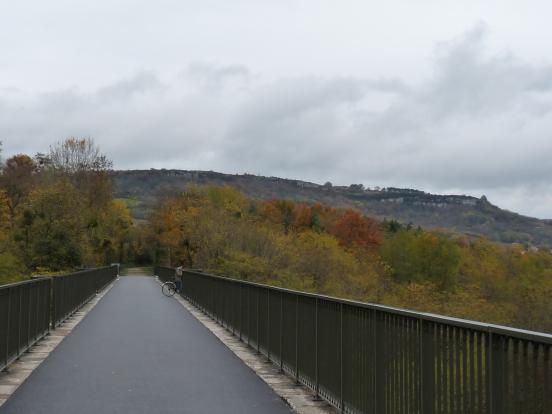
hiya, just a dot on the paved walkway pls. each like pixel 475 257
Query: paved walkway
pixel 138 352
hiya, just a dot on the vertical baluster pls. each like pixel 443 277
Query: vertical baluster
pixel 268 325
pixel 458 370
pixel 296 339
pixel 258 319
pixel 547 385
pixel 316 339
pixel 248 315
pixel 379 363
pixel 20 290
pixel 281 331
pixel 472 374
pixel 8 328
pixel 342 402
pixel 427 369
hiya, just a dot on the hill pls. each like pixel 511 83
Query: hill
pixel 476 216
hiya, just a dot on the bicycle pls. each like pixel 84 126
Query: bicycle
pixel 169 289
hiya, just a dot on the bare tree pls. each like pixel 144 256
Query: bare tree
pixel 78 155
pixel 82 162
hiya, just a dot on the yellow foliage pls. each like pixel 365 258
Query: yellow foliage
pixel 290 245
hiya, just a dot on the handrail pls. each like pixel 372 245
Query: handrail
pixel 24 317
pixel 30 308
pixel 370 358
pixel 22 282
pixel 73 290
pixel 464 323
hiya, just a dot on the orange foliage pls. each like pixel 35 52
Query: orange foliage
pixel 353 229
pixel 302 216
pixel 278 211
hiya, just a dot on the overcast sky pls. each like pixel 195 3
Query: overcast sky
pixel 439 95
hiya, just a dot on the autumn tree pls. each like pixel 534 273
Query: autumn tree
pixel 306 217
pixel 51 229
pixel 280 211
pixel 355 230
pixel 77 156
pixel 84 164
pixel 179 223
pixel 17 180
pixel 418 256
pixel 11 266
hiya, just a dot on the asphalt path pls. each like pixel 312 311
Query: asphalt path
pixel 138 352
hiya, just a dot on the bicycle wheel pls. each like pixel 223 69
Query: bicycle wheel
pixel 168 288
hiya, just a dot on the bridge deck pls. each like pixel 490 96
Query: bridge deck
pixel 140 352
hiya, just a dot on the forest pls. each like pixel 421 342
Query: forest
pixel 58 213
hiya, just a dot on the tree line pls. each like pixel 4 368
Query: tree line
pixel 58 213
pixel 340 252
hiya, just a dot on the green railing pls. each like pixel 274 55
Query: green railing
pixel 24 317
pixel 27 311
pixel 365 358
pixel 73 290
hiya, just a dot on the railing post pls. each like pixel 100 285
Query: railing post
pixel 258 317
pixel 232 309
pixel 212 307
pixel 31 288
pixel 220 303
pixel 38 327
pixel 547 379
pixel 248 315
pixel 490 372
pixel 19 322
pixel 342 405
pixel 495 373
pixel 241 311
pixel 268 325
pixel 8 329
pixel 54 303
pixel 296 339
pixel 378 365
pixel 427 367
pixel 316 367
pixel 224 312
pixel 281 331
pixel 49 301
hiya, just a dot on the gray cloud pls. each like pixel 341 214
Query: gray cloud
pixel 480 123
pixel 213 78
pixel 142 83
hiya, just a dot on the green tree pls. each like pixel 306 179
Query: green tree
pixel 418 256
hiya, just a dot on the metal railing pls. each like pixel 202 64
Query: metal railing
pixel 73 290
pixel 24 317
pixel 365 358
pixel 30 308
pixel 164 273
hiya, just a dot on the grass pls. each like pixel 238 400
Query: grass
pixel 130 269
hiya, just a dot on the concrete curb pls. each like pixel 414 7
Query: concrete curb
pixel 298 397
pixel 20 370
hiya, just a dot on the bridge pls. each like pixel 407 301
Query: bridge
pixel 137 351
